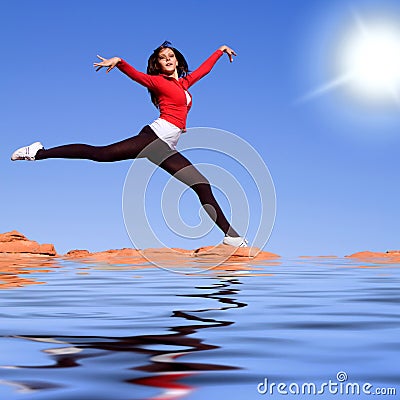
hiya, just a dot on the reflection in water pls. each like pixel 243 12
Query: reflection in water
pixel 166 368
pixel 12 266
pixel 143 334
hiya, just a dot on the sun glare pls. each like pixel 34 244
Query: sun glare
pixel 368 63
pixel 371 59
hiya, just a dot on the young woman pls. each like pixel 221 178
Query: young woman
pixel 168 80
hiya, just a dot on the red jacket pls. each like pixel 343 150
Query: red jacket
pixel 169 91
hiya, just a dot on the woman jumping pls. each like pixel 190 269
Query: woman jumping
pixel 168 80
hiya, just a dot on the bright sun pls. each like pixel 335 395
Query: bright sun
pixel 369 63
pixel 371 60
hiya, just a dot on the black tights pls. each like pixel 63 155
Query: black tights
pixel 147 145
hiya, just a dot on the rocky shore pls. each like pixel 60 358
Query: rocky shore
pixel 14 244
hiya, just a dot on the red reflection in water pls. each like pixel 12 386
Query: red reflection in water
pixel 165 369
pixel 15 267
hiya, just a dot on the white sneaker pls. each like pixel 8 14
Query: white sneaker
pixel 27 153
pixel 235 241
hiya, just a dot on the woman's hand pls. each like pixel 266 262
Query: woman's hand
pixel 110 63
pixel 228 51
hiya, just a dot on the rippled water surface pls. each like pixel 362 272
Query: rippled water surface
pixel 98 332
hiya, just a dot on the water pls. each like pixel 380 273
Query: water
pixel 98 332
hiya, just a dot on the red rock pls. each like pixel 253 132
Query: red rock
pixel 223 251
pixel 116 256
pixel 171 255
pixel 391 256
pixel 367 254
pixel 77 253
pixel 15 242
pixel 312 257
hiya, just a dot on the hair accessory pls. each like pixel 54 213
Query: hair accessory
pixel 165 44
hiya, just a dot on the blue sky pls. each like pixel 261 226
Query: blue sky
pixel 333 158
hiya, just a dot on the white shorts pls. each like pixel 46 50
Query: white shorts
pixel 166 131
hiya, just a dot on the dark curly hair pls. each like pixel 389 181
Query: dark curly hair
pixel 154 69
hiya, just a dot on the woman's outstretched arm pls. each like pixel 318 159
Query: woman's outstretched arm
pixel 139 77
pixel 207 65
pixel 106 63
pixel 229 51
